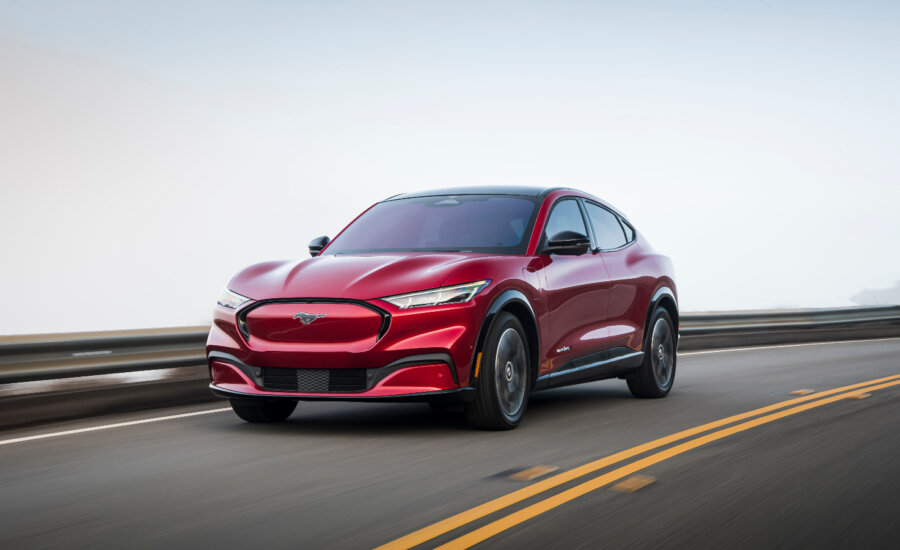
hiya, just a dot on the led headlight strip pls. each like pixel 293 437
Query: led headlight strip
pixel 232 299
pixel 456 294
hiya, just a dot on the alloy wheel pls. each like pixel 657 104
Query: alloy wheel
pixel 510 372
pixel 662 353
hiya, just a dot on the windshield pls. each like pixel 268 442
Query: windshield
pixel 498 224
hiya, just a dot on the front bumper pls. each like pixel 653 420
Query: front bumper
pixel 424 354
pixel 454 395
pixel 414 376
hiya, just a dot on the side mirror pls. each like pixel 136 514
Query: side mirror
pixel 316 245
pixel 568 243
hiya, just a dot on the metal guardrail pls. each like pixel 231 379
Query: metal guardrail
pixel 757 328
pixel 777 317
pixel 29 358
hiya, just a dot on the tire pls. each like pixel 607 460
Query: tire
pixel 263 411
pixel 655 376
pixel 501 393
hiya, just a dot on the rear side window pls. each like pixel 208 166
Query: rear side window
pixel 629 231
pixel 607 229
pixel 566 216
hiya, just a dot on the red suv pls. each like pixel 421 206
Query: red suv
pixel 476 295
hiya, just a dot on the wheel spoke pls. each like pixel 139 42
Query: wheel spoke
pixel 662 352
pixel 510 371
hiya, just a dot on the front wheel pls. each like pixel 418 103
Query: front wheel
pixel 263 411
pixel 656 374
pixel 504 380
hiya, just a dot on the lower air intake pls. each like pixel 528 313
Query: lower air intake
pixel 315 380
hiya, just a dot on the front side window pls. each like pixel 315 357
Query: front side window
pixel 499 224
pixel 607 229
pixel 566 216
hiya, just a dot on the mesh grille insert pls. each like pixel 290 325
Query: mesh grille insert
pixel 314 380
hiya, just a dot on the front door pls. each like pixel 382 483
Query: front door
pixel 577 294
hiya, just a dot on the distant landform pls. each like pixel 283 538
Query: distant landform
pixel 878 296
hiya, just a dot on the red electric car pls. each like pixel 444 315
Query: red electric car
pixel 478 295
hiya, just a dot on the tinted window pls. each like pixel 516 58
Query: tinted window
pixel 629 231
pixel 566 216
pixel 459 223
pixel 607 230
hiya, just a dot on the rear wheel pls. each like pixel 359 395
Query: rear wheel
pixel 263 411
pixel 504 380
pixel 655 376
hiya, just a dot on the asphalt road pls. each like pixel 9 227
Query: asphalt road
pixel 350 475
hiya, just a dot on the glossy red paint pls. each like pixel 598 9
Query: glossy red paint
pixel 333 327
pixel 580 305
pixel 224 375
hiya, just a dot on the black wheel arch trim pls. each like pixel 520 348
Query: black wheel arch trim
pixel 504 299
pixel 663 292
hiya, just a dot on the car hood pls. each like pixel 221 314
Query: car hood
pixel 360 277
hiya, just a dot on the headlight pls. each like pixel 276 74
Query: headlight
pixel 439 296
pixel 232 299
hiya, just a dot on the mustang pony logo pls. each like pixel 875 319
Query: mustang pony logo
pixel 307 318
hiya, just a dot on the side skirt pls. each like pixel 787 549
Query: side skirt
pixel 611 363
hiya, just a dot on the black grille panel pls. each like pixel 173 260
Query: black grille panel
pixel 314 380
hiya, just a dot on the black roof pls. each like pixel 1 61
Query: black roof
pixel 480 190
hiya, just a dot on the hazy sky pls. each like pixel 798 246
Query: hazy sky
pixel 150 150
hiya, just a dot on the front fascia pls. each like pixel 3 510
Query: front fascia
pixel 450 330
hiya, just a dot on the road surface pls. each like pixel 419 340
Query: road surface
pixel 817 469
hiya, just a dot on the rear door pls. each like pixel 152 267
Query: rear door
pixel 627 304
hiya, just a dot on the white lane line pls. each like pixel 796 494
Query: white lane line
pixel 110 426
pixel 752 348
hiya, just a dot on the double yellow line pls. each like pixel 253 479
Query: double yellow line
pixel 759 417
